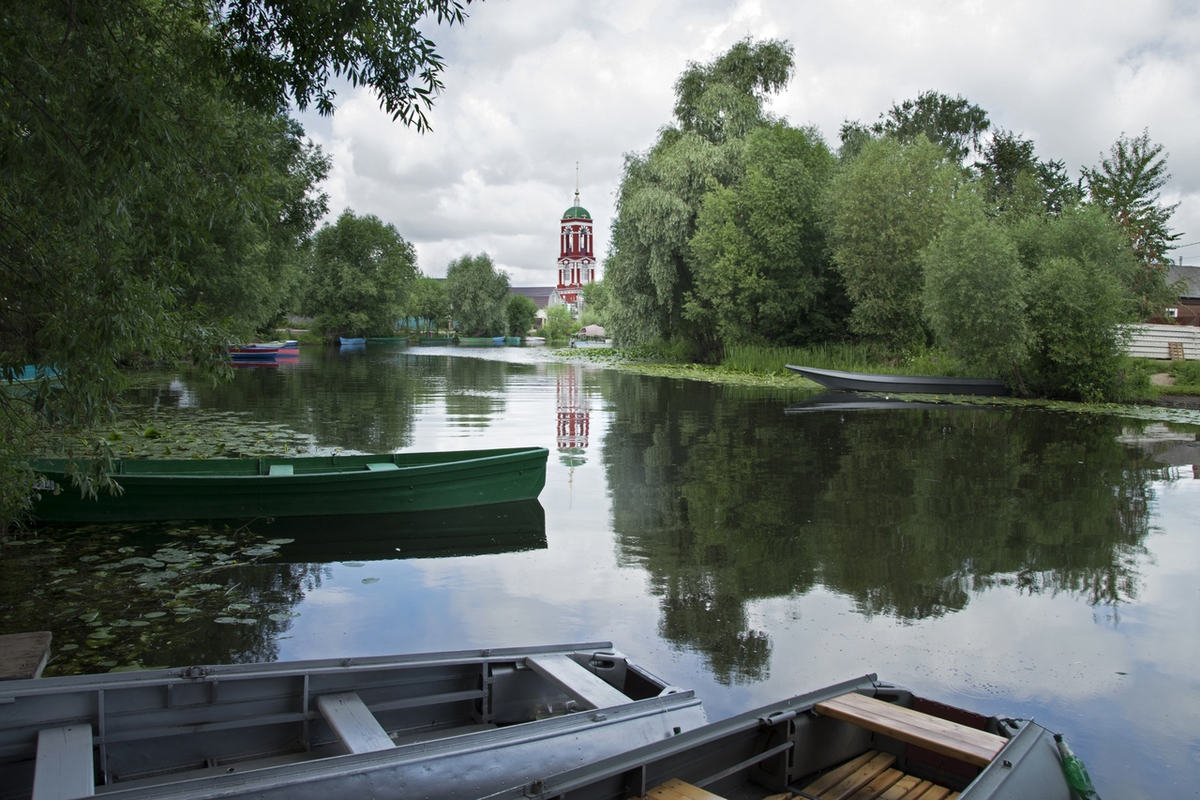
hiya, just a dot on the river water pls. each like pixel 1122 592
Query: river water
pixel 748 543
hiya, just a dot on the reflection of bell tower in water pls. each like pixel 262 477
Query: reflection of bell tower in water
pixel 574 417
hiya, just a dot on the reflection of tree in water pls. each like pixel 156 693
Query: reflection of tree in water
pixel 356 400
pixel 724 500
pixel 120 596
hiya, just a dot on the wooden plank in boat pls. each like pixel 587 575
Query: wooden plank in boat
pixel 676 789
pixel 934 733
pixel 353 722
pixel 585 687
pixel 905 788
pixel 842 782
pixel 63 767
pixel 878 786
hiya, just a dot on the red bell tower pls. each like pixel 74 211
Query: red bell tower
pixel 576 259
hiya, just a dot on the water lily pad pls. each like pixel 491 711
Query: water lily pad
pixel 154 614
pixel 370 580
pixel 225 620
pixel 353 564
pixel 280 541
pixel 282 616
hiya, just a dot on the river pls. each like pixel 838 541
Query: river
pixel 740 541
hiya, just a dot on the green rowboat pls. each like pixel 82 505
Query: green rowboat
pixel 294 487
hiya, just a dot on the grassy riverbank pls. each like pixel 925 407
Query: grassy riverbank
pixel 1175 382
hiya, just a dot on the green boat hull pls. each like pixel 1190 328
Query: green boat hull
pixel 296 487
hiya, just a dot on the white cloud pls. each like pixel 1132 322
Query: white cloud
pixel 535 86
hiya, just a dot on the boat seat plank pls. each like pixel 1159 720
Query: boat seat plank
pixel 575 681
pixel 676 789
pixel 281 469
pixel 913 727
pixel 383 466
pixel 64 768
pixel 353 722
pixel 842 782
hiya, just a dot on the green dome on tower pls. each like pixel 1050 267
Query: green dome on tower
pixel 576 212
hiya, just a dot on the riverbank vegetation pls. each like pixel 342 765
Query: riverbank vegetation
pixel 157 200
pixel 924 238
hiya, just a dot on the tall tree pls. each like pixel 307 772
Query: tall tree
pixel 975 290
pixel 1017 182
pixel 760 253
pixel 478 295
pixel 953 122
pixel 362 271
pixel 885 206
pixel 661 190
pixel 1128 185
pixel 520 313
pixel 141 145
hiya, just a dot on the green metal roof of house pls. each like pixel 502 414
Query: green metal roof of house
pixel 576 212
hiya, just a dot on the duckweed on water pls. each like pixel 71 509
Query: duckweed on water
pixel 124 596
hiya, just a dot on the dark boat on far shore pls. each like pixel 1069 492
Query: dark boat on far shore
pixel 902 384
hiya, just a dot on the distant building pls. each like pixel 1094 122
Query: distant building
pixel 576 256
pixel 576 264
pixel 543 297
pixel 1186 310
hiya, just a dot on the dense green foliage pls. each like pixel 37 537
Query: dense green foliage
pixel 975 290
pixel 155 201
pixel 478 295
pixel 885 206
pixel 761 262
pixel 1127 185
pixel 360 277
pixel 559 324
pixel 736 231
pixel 650 270
pixel 428 303
pixel 952 122
pixel 521 315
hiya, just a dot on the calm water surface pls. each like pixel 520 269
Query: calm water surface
pixel 745 543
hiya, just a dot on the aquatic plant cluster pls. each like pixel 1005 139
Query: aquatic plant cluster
pixel 128 597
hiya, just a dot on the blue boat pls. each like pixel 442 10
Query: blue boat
pixel 347 341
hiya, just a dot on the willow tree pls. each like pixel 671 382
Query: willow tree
pixel 650 270
pixel 143 148
pixel 885 206
pixel 762 270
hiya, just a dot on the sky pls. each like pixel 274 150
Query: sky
pixel 540 91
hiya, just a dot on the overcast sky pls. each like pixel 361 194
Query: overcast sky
pixel 535 86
